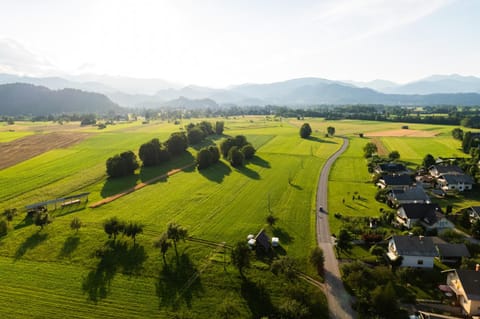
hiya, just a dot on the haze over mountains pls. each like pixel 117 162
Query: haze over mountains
pixel 151 93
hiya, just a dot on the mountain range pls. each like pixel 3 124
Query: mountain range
pixel 23 99
pixel 150 93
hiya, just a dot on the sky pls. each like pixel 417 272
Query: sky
pixel 225 42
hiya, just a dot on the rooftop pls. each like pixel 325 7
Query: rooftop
pixel 414 246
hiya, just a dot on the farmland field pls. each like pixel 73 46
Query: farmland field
pixel 221 204
pixel 57 272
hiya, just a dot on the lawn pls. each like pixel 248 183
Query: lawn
pixel 349 178
pixel 220 204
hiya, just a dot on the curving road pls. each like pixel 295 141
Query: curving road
pixel 339 301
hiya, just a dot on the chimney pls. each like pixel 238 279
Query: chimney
pixel 477 267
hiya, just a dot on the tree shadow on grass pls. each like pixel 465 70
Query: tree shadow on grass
pixel 27 221
pixel 319 140
pixel 178 281
pixel 151 172
pixel 257 298
pixel 30 243
pixel 260 162
pixel 248 172
pixel 283 235
pixel 114 257
pixel 117 185
pixel 297 187
pixel 216 172
pixel 69 209
pixel 69 246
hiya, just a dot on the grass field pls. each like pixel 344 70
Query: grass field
pixel 57 273
pixel 221 204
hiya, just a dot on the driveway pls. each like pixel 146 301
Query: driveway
pixel 339 301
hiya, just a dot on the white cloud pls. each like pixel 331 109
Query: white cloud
pixel 15 58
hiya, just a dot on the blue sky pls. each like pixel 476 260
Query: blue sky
pixel 222 42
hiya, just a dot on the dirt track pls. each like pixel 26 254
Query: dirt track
pixel 22 149
pixel 381 149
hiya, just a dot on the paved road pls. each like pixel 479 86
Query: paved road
pixel 339 301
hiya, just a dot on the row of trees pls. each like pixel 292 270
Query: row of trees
pixel 154 152
pixel 151 153
pixel 236 150
pixel 113 227
pixel 197 132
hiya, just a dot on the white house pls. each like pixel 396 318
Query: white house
pixel 459 182
pixel 451 177
pixel 415 251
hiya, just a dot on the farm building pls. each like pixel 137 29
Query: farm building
pixel 59 203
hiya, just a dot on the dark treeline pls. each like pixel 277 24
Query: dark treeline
pixel 441 114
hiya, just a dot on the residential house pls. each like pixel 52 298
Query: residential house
pixel 425 180
pixel 408 195
pixel 459 182
pixel 428 215
pixel 415 251
pixel 438 170
pixel 451 177
pixel 395 181
pixel 392 169
pixel 466 285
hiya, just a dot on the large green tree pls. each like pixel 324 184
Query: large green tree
pixel 175 232
pixel 248 151
pixel 122 164
pixel 204 158
pixel 428 161
pixel 163 243
pixel 305 130
pixel 177 143
pixel 113 227
pixel 235 156
pixel 317 259
pixel 195 135
pixel 394 155
pixel 457 133
pixel 132 229
pixel 331 130
pixel 369 149
pixel 241 256
pixel 150 153
pixel 344 240
pixel 42 219
pixel 219 125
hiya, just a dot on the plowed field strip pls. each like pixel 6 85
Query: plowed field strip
pixel 22 149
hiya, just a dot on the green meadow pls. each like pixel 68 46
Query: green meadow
pixel 57 272
pixel 67 276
